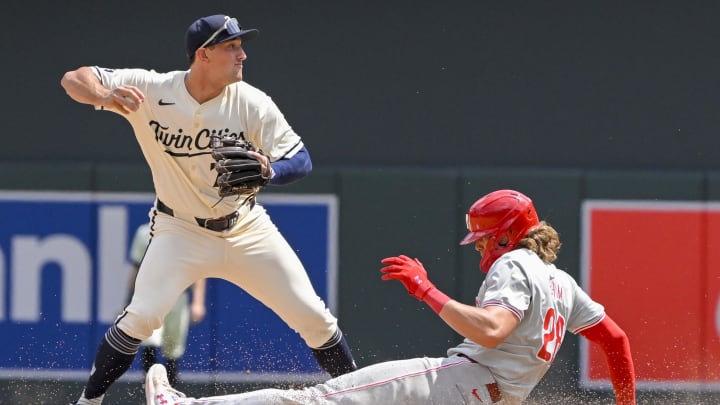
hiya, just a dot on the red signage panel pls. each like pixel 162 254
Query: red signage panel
pixel 655 266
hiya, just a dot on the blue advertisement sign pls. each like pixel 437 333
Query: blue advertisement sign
pixel 64 277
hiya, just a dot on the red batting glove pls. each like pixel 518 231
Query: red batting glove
pixel 412 274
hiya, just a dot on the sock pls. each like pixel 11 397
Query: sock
pixel 114 356
pixel 171 365
pixel 335 356
pixel 148 357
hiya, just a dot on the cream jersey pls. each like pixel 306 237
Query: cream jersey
pixel 175 134
pixel 547 301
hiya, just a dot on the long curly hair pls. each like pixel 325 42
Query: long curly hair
pixel 544 241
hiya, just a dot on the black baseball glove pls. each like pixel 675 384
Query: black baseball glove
pixel 239 172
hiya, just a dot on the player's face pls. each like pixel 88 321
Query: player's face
pixel 482 242
pixel 228 59
pixel 486 240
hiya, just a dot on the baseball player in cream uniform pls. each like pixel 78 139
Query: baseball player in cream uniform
pixel 512 333
pixel 171 337
pixel 177 117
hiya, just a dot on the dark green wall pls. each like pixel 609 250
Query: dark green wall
pixel 568 84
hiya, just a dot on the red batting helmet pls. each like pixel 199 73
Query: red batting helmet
pixel 502 212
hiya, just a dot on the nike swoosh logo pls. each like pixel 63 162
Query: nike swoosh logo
pixel 161 102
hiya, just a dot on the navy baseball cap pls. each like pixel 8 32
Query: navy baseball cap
pixel 214 29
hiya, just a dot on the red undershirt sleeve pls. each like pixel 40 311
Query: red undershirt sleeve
pixel 616 346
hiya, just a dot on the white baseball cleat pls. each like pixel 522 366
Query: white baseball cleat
pixel 158 390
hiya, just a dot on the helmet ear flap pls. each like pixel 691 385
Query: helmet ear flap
pixel 504 239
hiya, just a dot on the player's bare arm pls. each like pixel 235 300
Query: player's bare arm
pixel 487 326
pixel 83 86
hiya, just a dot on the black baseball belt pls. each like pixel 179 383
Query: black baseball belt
pixel 213 224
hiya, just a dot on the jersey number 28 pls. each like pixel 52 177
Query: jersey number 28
pixel 553 331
